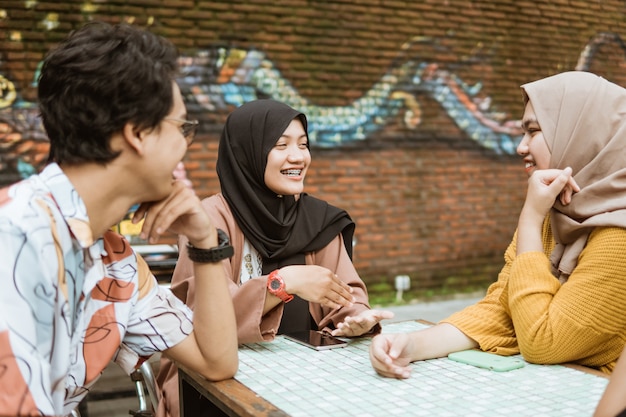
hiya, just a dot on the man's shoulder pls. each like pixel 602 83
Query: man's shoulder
pixel 24 202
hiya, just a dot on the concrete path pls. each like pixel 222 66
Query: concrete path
pixel 430 311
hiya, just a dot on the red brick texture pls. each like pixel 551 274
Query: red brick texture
pixel 430 202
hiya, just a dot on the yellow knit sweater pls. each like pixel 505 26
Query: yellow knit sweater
pixel 527 310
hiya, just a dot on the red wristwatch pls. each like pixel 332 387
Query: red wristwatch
pixel 276 286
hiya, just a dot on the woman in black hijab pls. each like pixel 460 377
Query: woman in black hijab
pixel 296 249
pixel 292 267
pixel 280 226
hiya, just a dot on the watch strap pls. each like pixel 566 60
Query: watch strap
pixel 276 286
pixel 223 250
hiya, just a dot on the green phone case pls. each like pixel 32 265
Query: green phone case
pixel 487 360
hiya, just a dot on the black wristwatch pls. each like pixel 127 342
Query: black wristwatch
pixel 223 250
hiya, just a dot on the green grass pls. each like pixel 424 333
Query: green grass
pixel 384 294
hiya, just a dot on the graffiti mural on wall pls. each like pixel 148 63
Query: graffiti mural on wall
pixel 591 49
pixel 221 78
pixel 23 142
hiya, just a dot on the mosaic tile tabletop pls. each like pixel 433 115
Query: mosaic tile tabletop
pixel 341 382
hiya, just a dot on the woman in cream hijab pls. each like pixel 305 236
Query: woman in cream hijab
pixel 561 295
pixel 582 121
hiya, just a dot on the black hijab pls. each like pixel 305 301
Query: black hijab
pixel 281 228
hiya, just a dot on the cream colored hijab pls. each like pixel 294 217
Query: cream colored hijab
pixel 583 120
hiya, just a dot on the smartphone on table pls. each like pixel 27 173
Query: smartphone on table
pixel 487 360
pixel 316 340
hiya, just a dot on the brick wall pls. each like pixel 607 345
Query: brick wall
pixel 428 201
pixel 441 211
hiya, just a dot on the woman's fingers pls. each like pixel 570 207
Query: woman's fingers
pixel 565 197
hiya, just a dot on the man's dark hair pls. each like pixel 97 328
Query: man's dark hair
pixel 97 80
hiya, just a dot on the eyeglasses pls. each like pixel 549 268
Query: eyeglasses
pixel 187 128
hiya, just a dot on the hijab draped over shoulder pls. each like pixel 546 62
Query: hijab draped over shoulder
pixel 583 120
pixel 281 228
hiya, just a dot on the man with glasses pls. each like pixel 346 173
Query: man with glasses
pixel 74 294
pixel 187 128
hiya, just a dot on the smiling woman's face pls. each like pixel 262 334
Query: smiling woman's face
pixel 288 161
pixel 533 147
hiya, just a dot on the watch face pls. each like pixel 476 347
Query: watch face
pixel 275 284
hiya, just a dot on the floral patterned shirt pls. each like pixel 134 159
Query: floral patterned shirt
pixel 69 304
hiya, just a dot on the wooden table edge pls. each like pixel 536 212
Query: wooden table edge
pixel 230 395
